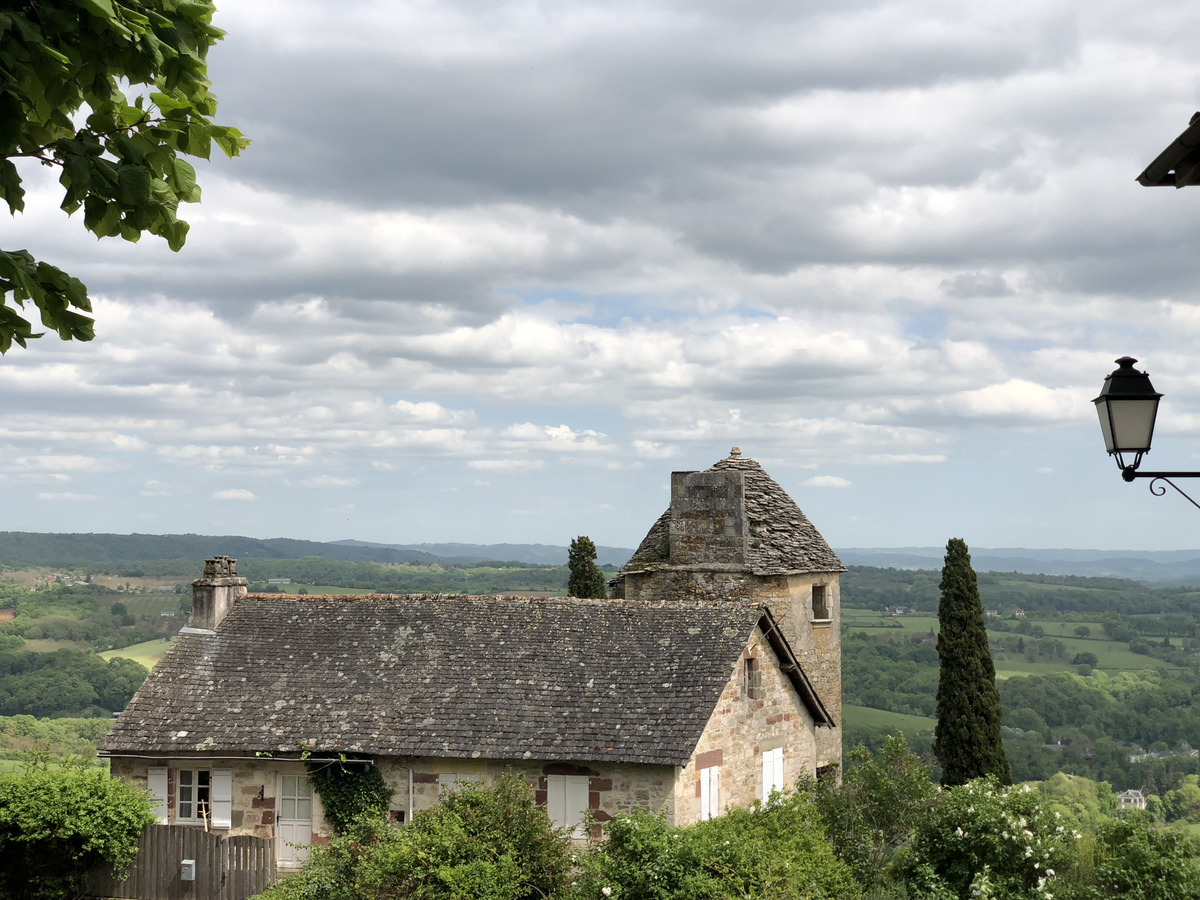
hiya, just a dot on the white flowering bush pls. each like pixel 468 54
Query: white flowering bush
pixel 984 840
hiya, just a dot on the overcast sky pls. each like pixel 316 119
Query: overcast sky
pixel 491 271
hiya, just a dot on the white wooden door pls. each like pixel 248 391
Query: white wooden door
pixel 293 826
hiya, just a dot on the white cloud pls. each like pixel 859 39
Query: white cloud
pixel 329 481
pixel 505 465
pixel 828 481
pixel 66 497
pixel 233 494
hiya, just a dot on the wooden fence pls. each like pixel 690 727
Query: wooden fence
pixel 231 868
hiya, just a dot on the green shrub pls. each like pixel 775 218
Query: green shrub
pixel 491 843
pixel 56 825
pixel 877 807
pixel 1135 861
pixel 773 851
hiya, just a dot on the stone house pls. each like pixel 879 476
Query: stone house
pixel 682 703
pixel 732 533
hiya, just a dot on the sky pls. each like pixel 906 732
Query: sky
pixel 491 271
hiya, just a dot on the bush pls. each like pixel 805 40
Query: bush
pixel 776 850
pixel 1005 838
pixel 1132 859
pixel 488 842
pixel 877 807
pixel 57 825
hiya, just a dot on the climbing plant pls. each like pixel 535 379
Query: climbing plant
pixel 348 787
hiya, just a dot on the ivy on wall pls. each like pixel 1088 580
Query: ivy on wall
pixel 349 786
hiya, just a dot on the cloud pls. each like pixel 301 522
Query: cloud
pixel 233 494
pixel 828 481
pixel 572 245
pixel 66 497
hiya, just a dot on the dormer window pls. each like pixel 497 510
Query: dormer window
pixel 820 603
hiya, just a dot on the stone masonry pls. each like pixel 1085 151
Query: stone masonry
pixel 732 533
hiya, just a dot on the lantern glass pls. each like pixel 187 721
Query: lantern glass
pixel 1127 406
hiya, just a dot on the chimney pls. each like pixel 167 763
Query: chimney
pixel 213 594
pixel 708 518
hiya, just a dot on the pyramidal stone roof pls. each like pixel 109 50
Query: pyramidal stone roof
pixel 779 537
pixel 457 676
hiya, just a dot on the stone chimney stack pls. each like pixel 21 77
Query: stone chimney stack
pixel 708 518
pixel 213 594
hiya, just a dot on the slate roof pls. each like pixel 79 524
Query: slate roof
pixel 781 539
pixel 497 677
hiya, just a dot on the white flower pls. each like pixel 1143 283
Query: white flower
pixel 1050 872
pixel 970 810
pixel 606 891
pixel 958 832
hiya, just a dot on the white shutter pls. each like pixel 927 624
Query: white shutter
pixel 577 804
pixel 772 772
pixel 710 792
pixel 567 802
pixel 156 787
pixel 222 798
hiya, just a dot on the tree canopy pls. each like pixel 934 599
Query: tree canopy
pixel 65 64
pixel 586 580
pixel 967 735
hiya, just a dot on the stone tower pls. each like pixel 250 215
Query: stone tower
pixel 732 533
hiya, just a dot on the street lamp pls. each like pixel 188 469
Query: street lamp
pixel 1128 406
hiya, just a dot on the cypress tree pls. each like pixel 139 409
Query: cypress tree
pixel 966 739
pixel 586 580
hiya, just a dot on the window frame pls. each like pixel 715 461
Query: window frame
pixel 820 607
pixel 772 772
pixel 195 802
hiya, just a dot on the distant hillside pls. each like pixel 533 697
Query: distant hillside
pixel 124 551
pixel 538 554
pixel 1150 567
pixel 103 552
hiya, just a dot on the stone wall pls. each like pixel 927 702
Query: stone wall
pixel 742 727
pixel 255 789
pixel 708 518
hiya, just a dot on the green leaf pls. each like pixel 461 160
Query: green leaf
pixel 229 139
pixel 183 178
pixel 199 140
pixel 101 8
pixel 10 186
pixel 133 185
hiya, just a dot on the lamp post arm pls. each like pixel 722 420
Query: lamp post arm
pixel 1155 477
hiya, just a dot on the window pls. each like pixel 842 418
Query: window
pixel 710 792
pixel 753 679
pixel 204 797
pixel 194 800
pixel 295 798
pixel 820 606
pixel 772 780
pixel 567 802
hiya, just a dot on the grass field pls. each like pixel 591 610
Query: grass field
pixel 147 652
pixel 864 715
pixel 1112 656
